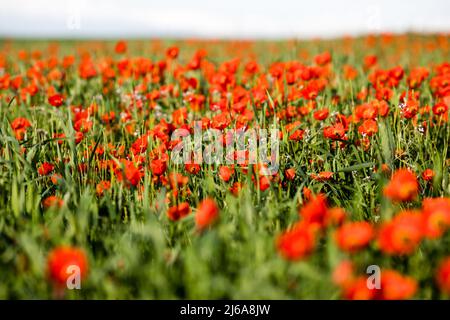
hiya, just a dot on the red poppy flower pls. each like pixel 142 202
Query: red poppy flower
pixel 177 180
pixel 370 61
pixel 357 289
pixel 323 58
pixel 220 121
pixel 192 168
pixel 335 132
pixel 354 236
pixel 307 193
pixel 428 174
pixel 56 100
pixel 87 69
pixel 225 173
pixel 436 213
pixel 102 186
pixel 52 201
pixel 78 137
pixel 402 234
pixel 366 111
pixel 350 73
pixel 403 186
pixel 83 125
pixel 158 167
pixel 178 212
pixel 20 123
pixel 440 109
pixel 263 182
pixel 443 276
pixel 321 114
pixel 172 52
pixel 207 213
pixel 297 243
pixel 315 210
pixel 343 273
pixel 236 188
pixel 297 135
pixel 108 117
pixel 290 173
pixel 132 174
pixel 140 145
pixel 369 127
pixel 410 109
pixel 395 286
pixel 121 47
pixel 45 168
pixel 335 216
pixel 20 126
pixel 322 176
pixel 59 261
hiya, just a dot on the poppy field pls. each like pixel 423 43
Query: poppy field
pixel 357 205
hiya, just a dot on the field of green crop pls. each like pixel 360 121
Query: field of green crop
pixel 88 178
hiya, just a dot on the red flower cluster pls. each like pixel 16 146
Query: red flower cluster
pixel 393 285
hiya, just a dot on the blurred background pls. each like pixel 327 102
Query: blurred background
pixel 219 19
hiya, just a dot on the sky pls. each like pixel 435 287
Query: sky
pixel 219 19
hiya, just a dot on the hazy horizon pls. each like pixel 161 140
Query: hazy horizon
pixel 70 19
